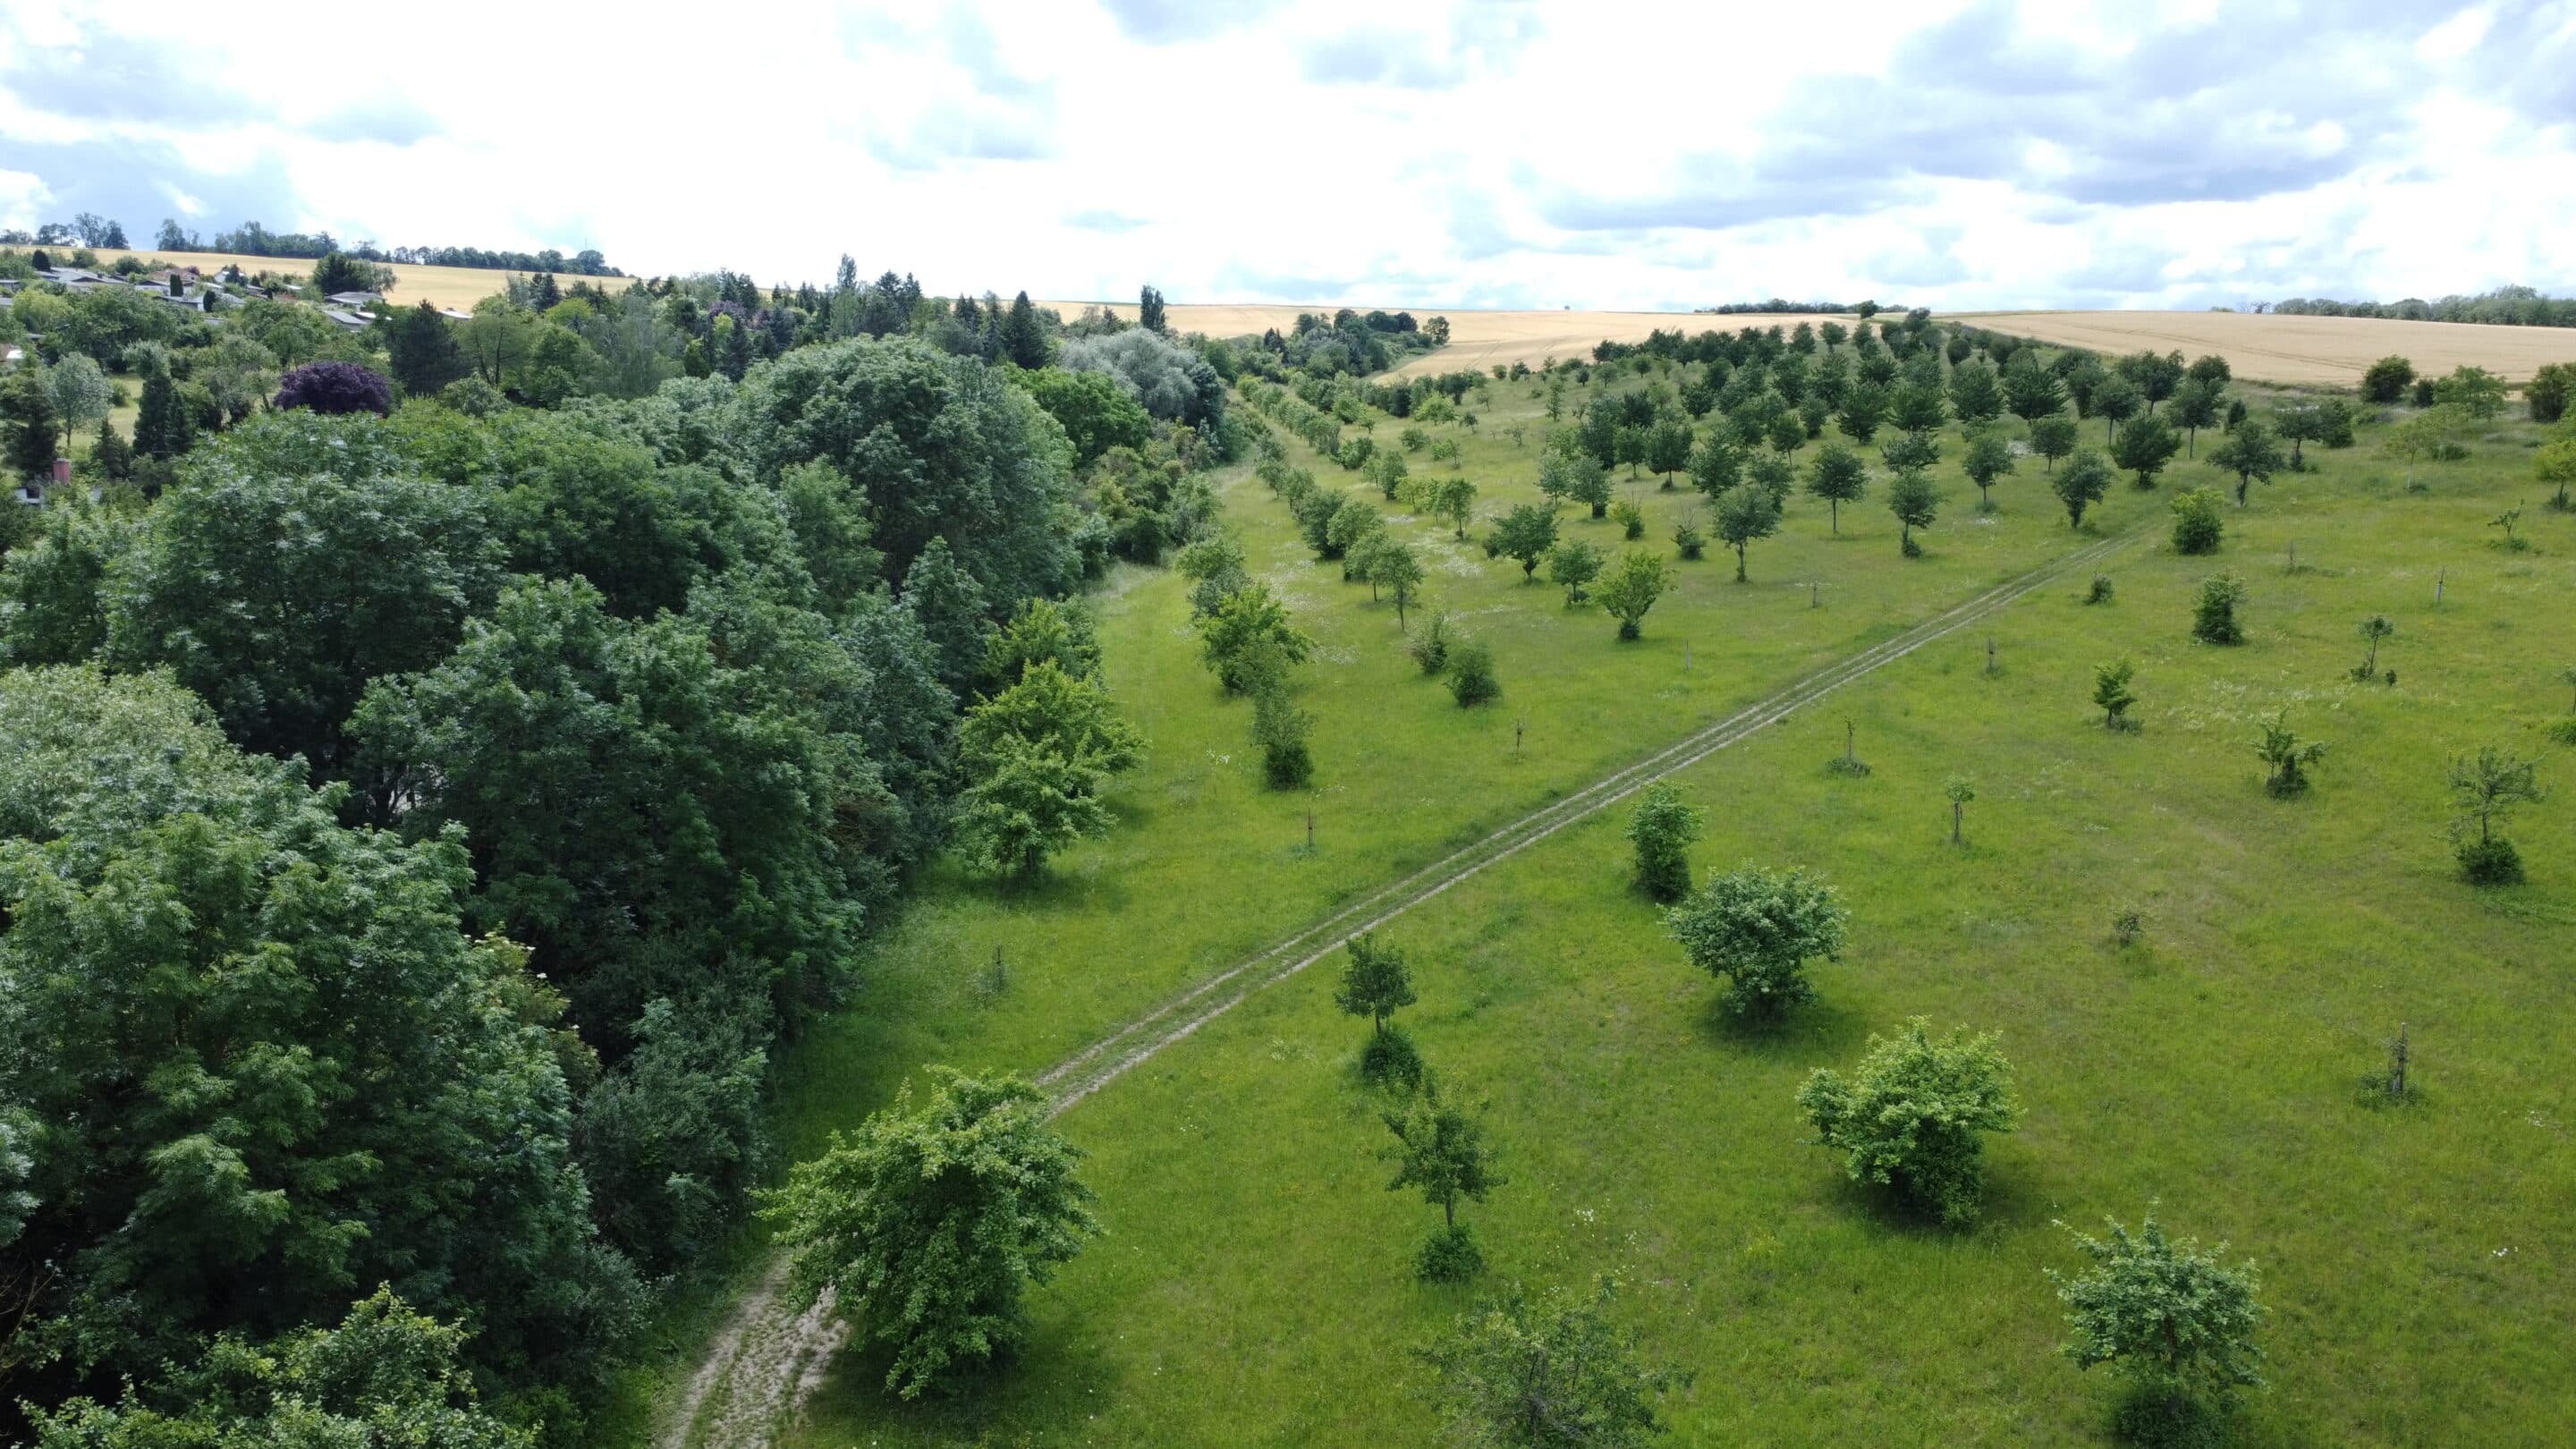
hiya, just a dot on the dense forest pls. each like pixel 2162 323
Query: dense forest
pixel 447 757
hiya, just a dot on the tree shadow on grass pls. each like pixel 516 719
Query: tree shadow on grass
pixel 1020 1389
pixel 1820 1033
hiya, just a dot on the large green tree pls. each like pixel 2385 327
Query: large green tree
pixel 927 1222
pixel 1913 1116
pixel 1759 929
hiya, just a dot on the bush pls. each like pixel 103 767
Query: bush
pixel 1690 541
pixel 2100 592
pixel 1758 929
pixel 2213 617
pixel 1471 673
pixel 1391 1058
pixel 1630 518
pixel 2490 862
pixel 1662 829
pixel 2198 523
pixel 1449 1255
pixel 2127 924
pixel 1430 648
pixel 1912 1116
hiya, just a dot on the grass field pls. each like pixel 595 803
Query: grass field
pixel 2332 351
pixel 457 287
pixel 1252 1287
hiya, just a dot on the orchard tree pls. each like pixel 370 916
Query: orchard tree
pixel 1838 476
pixel 1715 463
pixel 2081 485
pixel 1989 458
pixel 1632 587
pixel 1440 1150
pixel 1958 790
pixel 1744 513
pixel 1571 473
pixel 2302 420
pixel 1394 568
pixel 2485 789
pixel 2476 392
pixel 1914 501
pixel 926 1223
pixel 1976 393
pixel 2427 435
pixel 2555 465
pixel 1546 1373
pixel 1036 756
pixel 1249 620
pixel 1662 829
pixel 2177 1319
pixel 1668 448
pixel 1864 408
pixel 2197 404
pixel 1571 565
pixel 1914 1115
pixel 2031 391
pixel 1919 407
pixel 1528 534
pixel 1452 499
pixel 2251 453
pixel 1758 929
pixel 2053 437
pixel 2374 629
pixel 1375 983
pixel 2115 400
pixel 2144 445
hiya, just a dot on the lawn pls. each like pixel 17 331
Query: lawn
pixel 1252 1285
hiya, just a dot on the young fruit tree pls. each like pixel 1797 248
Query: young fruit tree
pixel 1911 497
pixel 2176 1318
pixel 1526 534
pixel 1989 458
pixel 2081 485
pixel 2053 437
pixel 1249 621
pixel 1838 476
pixel 2111 693
pixel 1662 829
pixel 1914 1114
pixel 1441 1150
pixel 1471 673
pixel 1758 929
pixel 1745 513
pixel 1546 1373
pixel 1280 730
pixel 2144 445
pixel 2251 453
pixel 1374 984
pixel 1632 587
pixel 1958 790
pixel 2374 629
pixel 2288 758
pixel 2485 788
pixel 1393 568
pixel 1571 565
pixel 925 1223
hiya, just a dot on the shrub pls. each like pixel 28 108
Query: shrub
pixel 1912 1117
pixel 1471 673
pixel 2177 1319
pixel 1662 828
pixel 1391 1059
pixel 1690 541
pixel 1280 728
pixel 2486 788
pixel 2111 692
pixel 1758 929
pixel 1430 648
pixel 1449 1255
pixel 1630 518
pixel 2288 756
pixel 2127 924
pixel 2213 617
pixel 2198 522
pixel 2100 591
pixel 2490 862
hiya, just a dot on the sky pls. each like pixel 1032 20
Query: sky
pixel 1595 154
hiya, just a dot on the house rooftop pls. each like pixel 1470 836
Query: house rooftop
pixel 347 319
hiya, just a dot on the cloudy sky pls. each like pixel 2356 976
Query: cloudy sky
pixel 1594 153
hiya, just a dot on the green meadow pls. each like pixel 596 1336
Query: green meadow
pixel 1252 1285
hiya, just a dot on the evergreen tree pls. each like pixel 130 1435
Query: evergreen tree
pixel 1024 341
pixel 1149 311
pixel 949 605
pixel 162 428
pixel 421 351
pixel 33 424
pixel 110 455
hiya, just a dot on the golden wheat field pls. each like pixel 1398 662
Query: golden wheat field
pixel 2330 351
pixel 2273 348
pixel 457 287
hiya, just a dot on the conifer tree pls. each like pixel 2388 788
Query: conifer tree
pixel 1023 340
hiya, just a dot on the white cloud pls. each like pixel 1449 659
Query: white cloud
pixel 1594 152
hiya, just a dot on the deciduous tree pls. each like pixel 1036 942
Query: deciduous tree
pixel 1913 1116
pixel 1662 828
pixel 1631 588
pixel 1745 513
pixel 1758 929
pixel 2177 1319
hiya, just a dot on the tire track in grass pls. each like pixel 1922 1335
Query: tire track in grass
pixel 770 1358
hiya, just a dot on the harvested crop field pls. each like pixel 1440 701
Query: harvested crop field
pixel 2272 348
pixel 458 287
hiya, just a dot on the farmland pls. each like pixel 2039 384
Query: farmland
pixel 456 287
pixel 1252 1285
pixel 2294 351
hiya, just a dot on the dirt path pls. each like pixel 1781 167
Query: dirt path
pixel 768 1359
